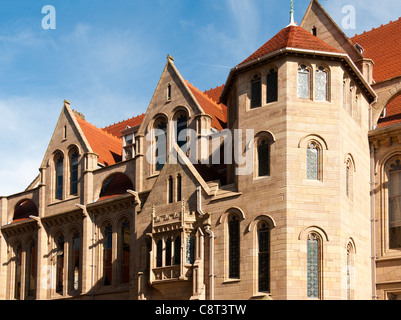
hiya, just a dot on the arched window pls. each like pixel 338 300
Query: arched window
pixel 161 145
pixel 170 190
pixel 60 265
pixel 18 272
pixel 182 126
pixel 31 269
pixel 179 188
pixel 107 255
pixel 313 266
pixel 263 149
pixel 125 251
pixel 394 195
pixel 321 84
pixel 75 261
pixel 303 82
pixel 256 92
pixel 312 161
pixel 234 246
pixel 350 270
pixel 59 163
pixel 272 86
pixel 74 173
pixel 349 175
pixel 263 257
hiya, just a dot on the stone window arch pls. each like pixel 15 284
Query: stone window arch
pixel 263 147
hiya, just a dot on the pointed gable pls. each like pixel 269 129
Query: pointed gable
pixel 383 46
pixel 291 37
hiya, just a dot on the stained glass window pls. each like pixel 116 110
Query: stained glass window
pixel 263 157
pixel 312 161
pixel 256 92
pixel 313 271
pixel 264 257
pixel 303 82
pixel 321 84
pixel 394 193
pixel 190 254
pixel 234 249
pixel 272 86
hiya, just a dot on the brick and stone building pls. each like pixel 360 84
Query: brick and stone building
pixel 290 190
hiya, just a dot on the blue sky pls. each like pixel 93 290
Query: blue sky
pixel 106 58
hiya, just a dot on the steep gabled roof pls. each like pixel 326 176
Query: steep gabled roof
pixel 291 37
pixel 107 146
pixel 217 111
pixel 116 128
pixel 215 93
pixel 383 46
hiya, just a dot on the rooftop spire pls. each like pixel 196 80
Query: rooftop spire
pixel 292 22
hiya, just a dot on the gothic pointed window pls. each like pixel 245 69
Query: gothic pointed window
pixel 263 257
pixel 272 86
pixel 256 92
pixel 74 173
pixel 170 190
pixel 321 84
pixel 303 82
pixel 59 177
pixel 394 194
pixel 312 161
pixel 234 246
pixel 125 251
pixel 60 265
pixel 313 267
pixel 161 145
pixel 107 255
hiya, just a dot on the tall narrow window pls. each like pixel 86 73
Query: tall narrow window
pixel 74 174
pixel 59 178
pixel 351 100
pixel 264 257
pixel 168 252
pixel 76 249
pixel 18 275
pixel 356 108
pixel 170 190
pixel 31 269
pixel 161 145
pixel 350 269
pixel 169 92
pixel 347 182
pixel 234 243
pixel 313 268
pixel 125 251
pixel 256 92
pixel 345 94
pixel 394 194
pixel 179 188
pixel 303 82
pixel 190 254
pixel 272 86
pixel 60 265
pixel 107 255
pixel 182 126
pixel 263 157
pixel 321 84
pixel 177 250
pixel 159 253
pixel 312 161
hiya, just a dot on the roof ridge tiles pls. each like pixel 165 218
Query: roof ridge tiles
pixel 205 95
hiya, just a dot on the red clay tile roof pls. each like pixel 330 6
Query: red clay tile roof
pixel 107 146
pixel 116 128
pixel 383 46
pixel 393 113
pixel 291 37
pixel 215 93
pixel 218 112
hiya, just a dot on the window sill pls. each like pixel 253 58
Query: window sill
pixel 228 281
pixel 256 179
pixel 261 296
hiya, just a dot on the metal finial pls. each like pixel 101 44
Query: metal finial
pixel 292 21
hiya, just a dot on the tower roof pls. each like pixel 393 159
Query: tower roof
pixel 291 37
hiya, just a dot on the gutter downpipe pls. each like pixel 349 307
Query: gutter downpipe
pixel 211 243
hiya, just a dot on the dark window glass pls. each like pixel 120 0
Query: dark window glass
pixel 181 127
pixel 159 254
pixel 31 269
pixel 170 190
pixel 190 254
pixel 18 275
pixel 394 194
pixel 264 257
pixel 168 252
pixel 264 158
pixel 59 178
pixel 125 252
pixel 74 174
pixel 161 146
pixel 234 247
pixel 76 249
pixel 256 92
pixel 272 86
pixel 60 265
pixel 107 256
pixel 179 188
pixel 177 250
